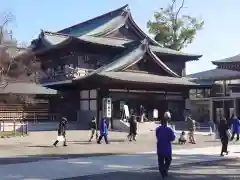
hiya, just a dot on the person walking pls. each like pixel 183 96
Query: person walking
pixel 62 132
pixel 165 136
pixel 132 127
pixel 93 126
pixel 167 116
pixel 223 134
pixel 235 127
pixel 191 126
pixel 103 131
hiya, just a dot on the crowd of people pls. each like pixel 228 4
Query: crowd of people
pixel 227 130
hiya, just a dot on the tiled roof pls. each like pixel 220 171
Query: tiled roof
pixel 95 30
pixel 216 74
pixel 50 38
pixel 147 78
pixel 25 88
pixel 158 49
pixel 228 60
pixel 89 25
pixel 132 56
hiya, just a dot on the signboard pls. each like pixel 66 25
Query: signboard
pixel 107 107
pixel 155 113
pixel 126 111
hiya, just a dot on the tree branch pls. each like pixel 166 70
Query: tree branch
pixel 179 9
pixel 175 19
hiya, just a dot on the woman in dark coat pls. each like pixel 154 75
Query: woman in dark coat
pixel 62 131
pixel 223 134
pixel 132 127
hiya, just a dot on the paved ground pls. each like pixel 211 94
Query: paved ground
pixel 33 157
pixel 116 166
pixel 216 170
pixel 40 144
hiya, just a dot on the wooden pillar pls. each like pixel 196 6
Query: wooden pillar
pixel 235 106
pixel 211 110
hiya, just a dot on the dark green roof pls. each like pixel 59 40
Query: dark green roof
pixel 52 39
pixel 93 24
pixel 132 56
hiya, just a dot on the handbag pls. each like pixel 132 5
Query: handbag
pixel 60 138
pixel 229 133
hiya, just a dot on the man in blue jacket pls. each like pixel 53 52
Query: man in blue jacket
pixel 103 131
pixel 235 127
pixel 165 136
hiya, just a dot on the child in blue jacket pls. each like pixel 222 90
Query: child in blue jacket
pixel 103 131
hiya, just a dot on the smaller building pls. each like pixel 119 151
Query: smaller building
pixel 219 93
pixel 25 101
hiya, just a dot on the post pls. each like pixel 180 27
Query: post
pixel 26 124
pixel 235 106
pixel 211 110
pixel 14 127
pixel 22 126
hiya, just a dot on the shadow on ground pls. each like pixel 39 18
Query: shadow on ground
pixel 35 158
pixel 218 170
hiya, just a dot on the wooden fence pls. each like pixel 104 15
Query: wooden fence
pixel 18 112
pixel 14 127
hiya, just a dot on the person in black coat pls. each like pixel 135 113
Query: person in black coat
pixel 62 131
pixel 223 134
pixel 132 127
pixel 93 126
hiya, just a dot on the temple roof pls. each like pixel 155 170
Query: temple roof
pixel 233 59
pixel 96 22
pixel 132 56
pixel 115 70
pixel 95 31
pixel 138 77
pixel 50 39
pixel 216 75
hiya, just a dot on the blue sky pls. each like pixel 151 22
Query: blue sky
pixel 219 38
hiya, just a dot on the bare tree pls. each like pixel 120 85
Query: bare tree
pixel 5 18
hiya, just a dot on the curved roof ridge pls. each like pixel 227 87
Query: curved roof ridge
pixel 87 21
pixel 162 64
pixel 111 25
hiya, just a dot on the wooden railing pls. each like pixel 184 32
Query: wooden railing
pixel 62 76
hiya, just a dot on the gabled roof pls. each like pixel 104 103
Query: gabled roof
pixel 132 56
pixel 233 59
